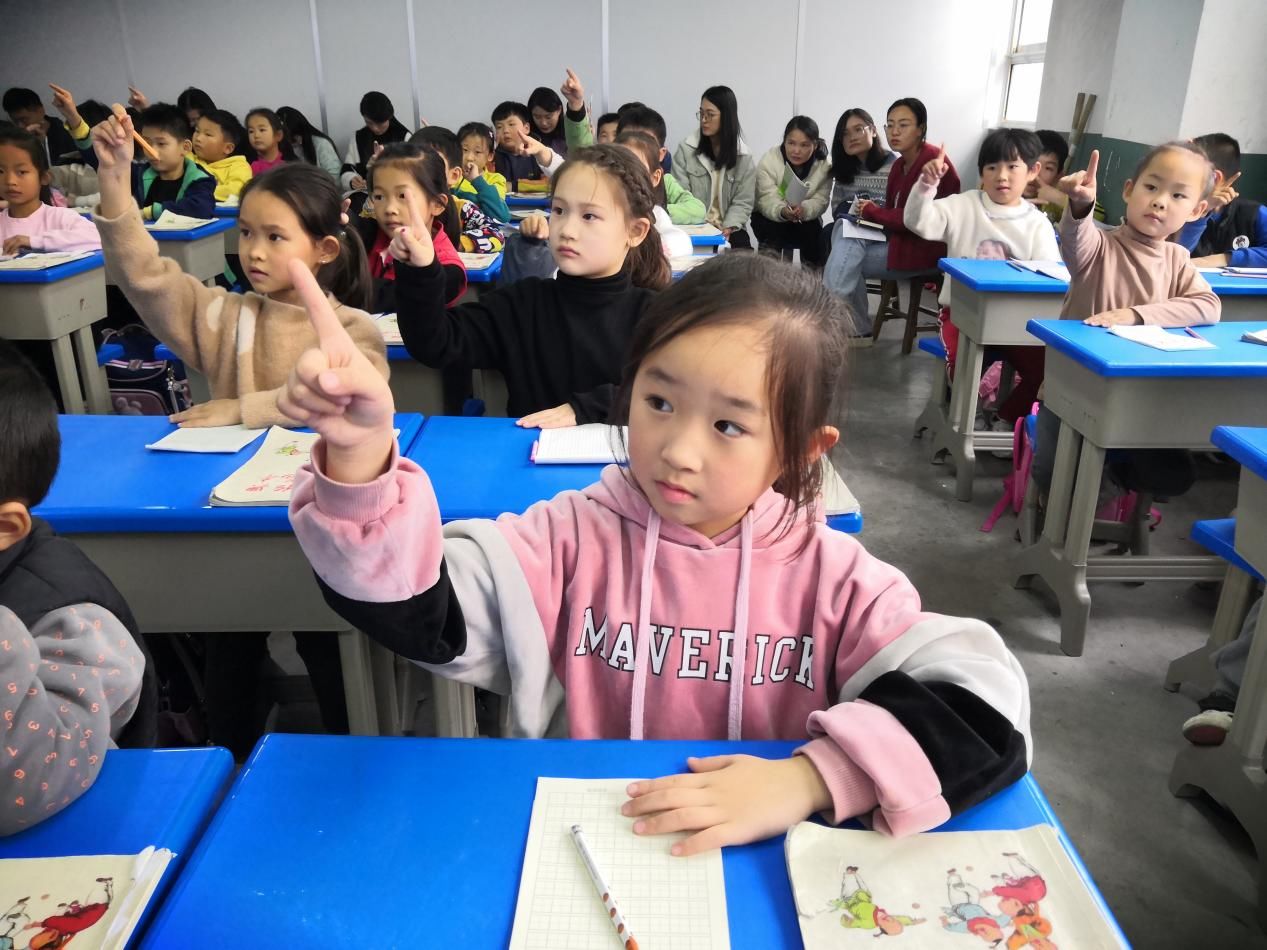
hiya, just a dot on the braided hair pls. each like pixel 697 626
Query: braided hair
pixel 647 264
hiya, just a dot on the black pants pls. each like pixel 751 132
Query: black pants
pixel 782 237
pixel 232 683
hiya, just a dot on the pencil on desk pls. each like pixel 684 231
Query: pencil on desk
pixel 600 885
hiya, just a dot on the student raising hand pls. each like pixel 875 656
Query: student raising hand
pixel 338 392
pixel 64 103
pixel 573 92
pixel 412 244
pixel 112 141
pixel 1080 186
pixel 934 169
pixel 535 226
pixel 137 99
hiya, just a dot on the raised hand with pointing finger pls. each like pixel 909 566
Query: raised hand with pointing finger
pixel 1080 186
pixel 338 392
pixel 934 169
pixel 412 244
pixel 573 92
pixel 64 102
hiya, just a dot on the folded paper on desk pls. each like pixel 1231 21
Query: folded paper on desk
pixel 1245 271
pixel 227 439
pixel 666 901
pixel 942 888
pixel 170 221
pixel 478 261
pixel 94 900
pixel 1255 336
pixel 40 261
pixel 1053 269
pixel 1159 339
pixel 700 230
pixel 837 498
pixel 593 444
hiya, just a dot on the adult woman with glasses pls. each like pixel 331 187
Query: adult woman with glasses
pixel 715 165
pixel 853 260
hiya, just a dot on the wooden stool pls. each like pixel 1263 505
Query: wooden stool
pixel 890 302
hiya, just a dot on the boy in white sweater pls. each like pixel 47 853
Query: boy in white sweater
pixel 994 221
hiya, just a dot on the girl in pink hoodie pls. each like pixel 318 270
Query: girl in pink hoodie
pixel 696 594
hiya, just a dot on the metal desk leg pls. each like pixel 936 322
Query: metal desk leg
pixel 383 673
pixel 1234 600
pixel 455 708
pixel 68 375
pixel 1232 773
pixel 94 377
pixel 358 683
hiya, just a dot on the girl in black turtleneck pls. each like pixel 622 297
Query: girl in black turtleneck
pixel 560 342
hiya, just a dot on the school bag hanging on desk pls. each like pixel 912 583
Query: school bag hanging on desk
pixel 141 384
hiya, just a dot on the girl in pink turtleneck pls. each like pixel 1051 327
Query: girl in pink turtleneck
pixel 695 594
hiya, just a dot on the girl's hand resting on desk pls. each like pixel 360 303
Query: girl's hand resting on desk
pixel 560 417
pixel 336 390
pixel 412 243
pixel 217 412
pixel 728 799
pixel 17 244
pixel 1113 318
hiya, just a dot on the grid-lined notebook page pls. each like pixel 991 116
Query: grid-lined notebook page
pixel 669 903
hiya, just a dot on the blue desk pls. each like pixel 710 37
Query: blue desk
pixel 142 797
pixel 533 200
pixel 58 305
pixel 227 211
pixel 291 853
pixel 143 517
pixel 488 274
pixel 480 467
pixel 199 251
pixel 1114 394
pixel 713 240
pixel 1232 773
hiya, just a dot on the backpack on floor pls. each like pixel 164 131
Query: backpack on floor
pixel 1015 482
pixel 140 384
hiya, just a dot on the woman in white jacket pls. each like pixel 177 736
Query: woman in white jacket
pixel 793 187
pixel 715 165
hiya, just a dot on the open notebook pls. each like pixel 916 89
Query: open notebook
pixel 666 901
pixel 1159 338
pixel 593 444
pixel 478 261
pixel 389 326
pixel 89 900
pixel 170 221
pixel 269 475
pixel 1057 270
pixel 951 889
pixel 39 261
pixel 700 230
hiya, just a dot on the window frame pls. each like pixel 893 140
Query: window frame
pixel 1018 55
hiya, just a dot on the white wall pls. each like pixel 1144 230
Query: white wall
pixel 952 61
pixel 1081 43
pixel 1152 63
pixel 1229 43
pixel 664 52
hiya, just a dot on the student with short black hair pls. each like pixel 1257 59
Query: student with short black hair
pixel 219 149
pixel 1233 231
pixel 381 128
pixel 607 128
pixel 512 123
pixel 26 110
pixel 60 620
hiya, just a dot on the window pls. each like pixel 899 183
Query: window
pixel 1030 19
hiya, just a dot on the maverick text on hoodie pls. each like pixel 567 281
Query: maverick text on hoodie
pixel 599 620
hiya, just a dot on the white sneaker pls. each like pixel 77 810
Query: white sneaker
pixel 1002 425
pixel 1208 728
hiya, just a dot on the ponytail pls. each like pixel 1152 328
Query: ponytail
pixel 646 263
pixel 347 277
pixel 451 222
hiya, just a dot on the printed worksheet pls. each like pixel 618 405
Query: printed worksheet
pixel 668 903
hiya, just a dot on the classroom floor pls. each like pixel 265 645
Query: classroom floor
pixel 1176 872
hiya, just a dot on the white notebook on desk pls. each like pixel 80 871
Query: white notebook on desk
pixel 1245 271
pixel 1057 270
pixel 700 230
pixel 389 325
pixel 666 901
pixel 1159 339
pixel 170 221
pixel 38 261
pixel 593 444
pixel 837 498
pixel 227 439
pixel 478 261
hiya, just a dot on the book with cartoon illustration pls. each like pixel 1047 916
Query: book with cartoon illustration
pixel 268 477
pixel 952 889
pixel 89 900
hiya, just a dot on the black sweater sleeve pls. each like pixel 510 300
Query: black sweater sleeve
pixel 594 405
pixel 470 336
pixel 427 627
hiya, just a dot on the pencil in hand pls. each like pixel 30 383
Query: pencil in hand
pixel 146 147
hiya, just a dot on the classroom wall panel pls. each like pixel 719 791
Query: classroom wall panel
pixel 364 46
pixel 244 53
pixel 946 54
pixel 1229 44
pixel 504 51
pixel 1081 40
pixel 667 52
pixel 94 67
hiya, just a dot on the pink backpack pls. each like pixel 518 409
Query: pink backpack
pixel 1015 481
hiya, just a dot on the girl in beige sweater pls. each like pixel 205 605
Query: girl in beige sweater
pixel 245 344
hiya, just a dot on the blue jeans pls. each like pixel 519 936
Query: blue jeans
pixel 851 262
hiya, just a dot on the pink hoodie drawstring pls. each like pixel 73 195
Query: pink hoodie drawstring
pixel 643 632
